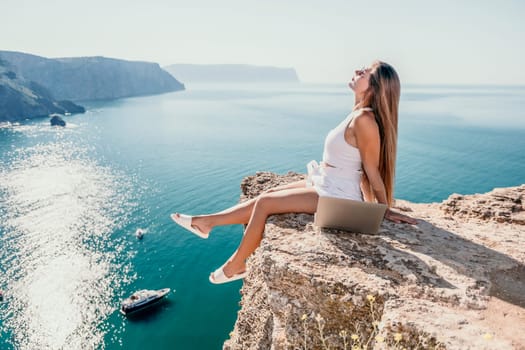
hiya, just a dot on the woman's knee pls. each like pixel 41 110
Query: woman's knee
pixel 264 203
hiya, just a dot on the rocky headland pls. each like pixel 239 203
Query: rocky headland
pixel 22 99
pixel 92 78
pixel 456 280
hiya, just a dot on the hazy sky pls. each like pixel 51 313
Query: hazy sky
pixel 443 42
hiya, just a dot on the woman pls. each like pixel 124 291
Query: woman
pixel 358 163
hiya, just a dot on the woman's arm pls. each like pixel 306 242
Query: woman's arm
pixel 368 196
pixel 369 143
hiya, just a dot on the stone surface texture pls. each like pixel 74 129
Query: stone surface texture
pixel 456 280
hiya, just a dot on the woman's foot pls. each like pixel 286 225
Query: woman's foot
pixel 228 272
pixel 231 270
pixel 202 223
pixel 199 225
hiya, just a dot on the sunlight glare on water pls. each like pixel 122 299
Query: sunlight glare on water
pixel 59 211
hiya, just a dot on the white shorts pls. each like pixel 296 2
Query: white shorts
pixel 334 182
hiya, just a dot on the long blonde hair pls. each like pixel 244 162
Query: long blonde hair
pixel 382 96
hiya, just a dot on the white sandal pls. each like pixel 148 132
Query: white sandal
pixel 218 276
pixel 185 221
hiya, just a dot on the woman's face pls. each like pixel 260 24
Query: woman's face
pixel 359 81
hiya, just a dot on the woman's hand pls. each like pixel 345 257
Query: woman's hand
pixel 399 218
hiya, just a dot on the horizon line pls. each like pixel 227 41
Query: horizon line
pixel 507 85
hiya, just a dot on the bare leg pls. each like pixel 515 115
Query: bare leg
pixel 237 214
pixel 297 200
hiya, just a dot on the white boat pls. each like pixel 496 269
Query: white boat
pixel 142 299
pixel 139 233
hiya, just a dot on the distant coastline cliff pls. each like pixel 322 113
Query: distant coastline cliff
pixel 33 86
pixel 92 78
pixel 453 281
pixel 22 99
pixel 232 73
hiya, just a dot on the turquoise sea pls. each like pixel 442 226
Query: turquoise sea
pixel 71 199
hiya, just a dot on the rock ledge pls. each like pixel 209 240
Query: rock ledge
pixel 453 281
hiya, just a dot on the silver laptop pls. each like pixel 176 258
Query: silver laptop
pixel 349 215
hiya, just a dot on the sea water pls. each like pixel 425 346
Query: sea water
pixel 72 198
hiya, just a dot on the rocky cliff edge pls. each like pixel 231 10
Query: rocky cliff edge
pixel 456 280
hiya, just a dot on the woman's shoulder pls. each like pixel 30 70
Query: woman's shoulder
pixel 365 121
pixel 364 116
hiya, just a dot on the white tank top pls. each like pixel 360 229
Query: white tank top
pixel 337 152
